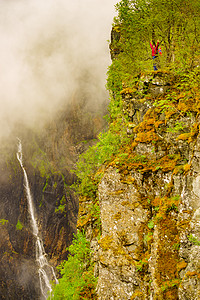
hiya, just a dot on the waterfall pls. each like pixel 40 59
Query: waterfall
pixel 45 271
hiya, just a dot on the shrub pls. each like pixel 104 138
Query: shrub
pixel 77 281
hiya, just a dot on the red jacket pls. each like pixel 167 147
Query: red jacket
pixel 154 48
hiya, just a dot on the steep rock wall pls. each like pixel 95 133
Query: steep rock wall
pixel 149 198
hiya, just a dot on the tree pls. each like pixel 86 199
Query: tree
pixel 176 23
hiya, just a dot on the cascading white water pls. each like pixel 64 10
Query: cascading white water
pixel 45 271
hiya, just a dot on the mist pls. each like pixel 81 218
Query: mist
pixel 49 50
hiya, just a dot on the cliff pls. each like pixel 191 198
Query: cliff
pixel 148 195
pixel 140 203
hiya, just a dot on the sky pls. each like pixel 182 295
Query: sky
pixel 49 50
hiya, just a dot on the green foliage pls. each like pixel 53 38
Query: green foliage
pixel 141 265
pixel 194 240
pixel 46 182
pixel 176 198
pixel 19 225
pixel 114 84
pixel 42 163
pixel 190 80
pixel 61 207
pixel 77 281
pixel 174 22
pixel 177 127
pixel 137 23
pixel 3 221
pixel 108 145
pixel 177 101
pixel 156 208
pixel 172 207
pixel 176 246
pixel 165 104
pixel 170 284
pixel 148 237
pixel 95 214
pixel 151 224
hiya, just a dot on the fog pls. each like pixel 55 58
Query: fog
pixel 49 50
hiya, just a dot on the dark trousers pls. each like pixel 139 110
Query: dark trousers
pixel 154 63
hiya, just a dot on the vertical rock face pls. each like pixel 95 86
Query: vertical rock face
pixel 189 221
pixel 150 204
pixel 18 273
pixel 123 217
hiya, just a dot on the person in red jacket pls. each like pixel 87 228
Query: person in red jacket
pixel 154 49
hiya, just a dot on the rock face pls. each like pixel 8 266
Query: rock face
pixel 143 258
pixel 17 245
pixel 19 277
pixel 150 202
pixel 48 157
pixel 123 218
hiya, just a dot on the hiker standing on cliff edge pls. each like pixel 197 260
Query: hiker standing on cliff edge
pixel 154 52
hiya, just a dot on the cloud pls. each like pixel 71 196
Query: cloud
pixel 49 49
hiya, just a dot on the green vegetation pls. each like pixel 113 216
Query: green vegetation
pixel 175 23
pixel 151 224
pixel 108 144
pixel 41 161
pixel 78 281
pixel 62 206
pixel 140 266
pixel 19 225
pixel 3 221
pixel 194 240
pixel 170 284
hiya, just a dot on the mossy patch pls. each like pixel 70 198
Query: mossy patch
pixel 105 242
pixel 137 295
pixel 181 265
pixel 168 257
pixel 192 274
pixel 117 216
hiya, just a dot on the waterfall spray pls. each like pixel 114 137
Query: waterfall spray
pixel 45 271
